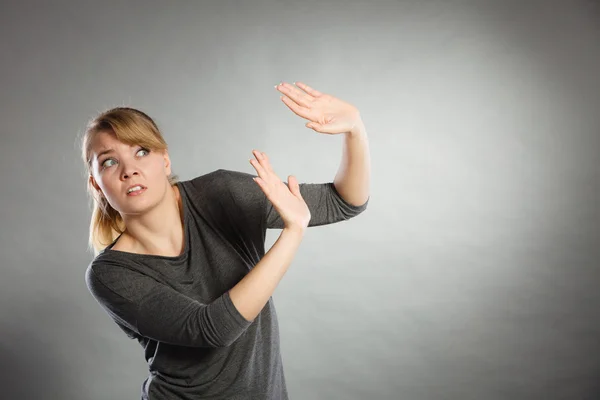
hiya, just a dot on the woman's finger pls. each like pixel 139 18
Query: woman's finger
pixel 308 89
pixel 265 162
pixel 262 185
pixel 293 186
pixel 259 168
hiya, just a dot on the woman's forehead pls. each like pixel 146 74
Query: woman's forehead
pixel 105 141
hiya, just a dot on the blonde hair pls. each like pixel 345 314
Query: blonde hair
pixel 132 127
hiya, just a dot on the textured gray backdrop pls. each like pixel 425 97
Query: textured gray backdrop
pixel 473 274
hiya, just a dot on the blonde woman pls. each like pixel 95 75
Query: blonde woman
pixel 181 265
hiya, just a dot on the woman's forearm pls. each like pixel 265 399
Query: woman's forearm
pixel 251 294
pixel 352 180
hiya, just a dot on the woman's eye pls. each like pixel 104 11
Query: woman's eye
pixel 104 164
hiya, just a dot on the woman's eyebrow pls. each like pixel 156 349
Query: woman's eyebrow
pixel 104 152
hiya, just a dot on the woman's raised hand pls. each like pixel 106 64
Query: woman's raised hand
pixel 287 200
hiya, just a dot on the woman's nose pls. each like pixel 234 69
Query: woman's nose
pixel 129 170
pixel 127 175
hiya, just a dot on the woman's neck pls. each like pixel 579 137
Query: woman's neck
pixel 157 232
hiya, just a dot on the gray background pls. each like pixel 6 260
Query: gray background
pixel 472 275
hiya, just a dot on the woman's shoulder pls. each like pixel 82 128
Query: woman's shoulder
pixel 226 195
pixel 105 263
pixel 215 184
pixel 115 272
pixel 221 175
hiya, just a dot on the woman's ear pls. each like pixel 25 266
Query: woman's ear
pixel 167 163
pixel 92 182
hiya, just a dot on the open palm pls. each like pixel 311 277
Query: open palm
pixel 286 200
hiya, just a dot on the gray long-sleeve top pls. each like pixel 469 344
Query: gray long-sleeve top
pixel 197 344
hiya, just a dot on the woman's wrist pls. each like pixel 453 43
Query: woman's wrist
pixel 297 230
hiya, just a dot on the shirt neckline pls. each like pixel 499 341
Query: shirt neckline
pixel 183 255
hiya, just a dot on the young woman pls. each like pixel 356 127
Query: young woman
pixel 180 266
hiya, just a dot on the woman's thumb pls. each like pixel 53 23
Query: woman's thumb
pixel 313 125
pixel 293 185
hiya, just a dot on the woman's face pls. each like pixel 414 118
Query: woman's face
pixel 117 166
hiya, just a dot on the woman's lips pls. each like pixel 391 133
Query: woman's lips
pixel 137 192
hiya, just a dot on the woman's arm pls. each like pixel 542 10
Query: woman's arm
pixel 252 293
pixel 325 203
pixel 242 194
pixel 157 311
pixel 354 174
pixel 332 116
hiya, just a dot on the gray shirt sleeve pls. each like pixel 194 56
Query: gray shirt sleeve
pixel 157 311
pixel 326 205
